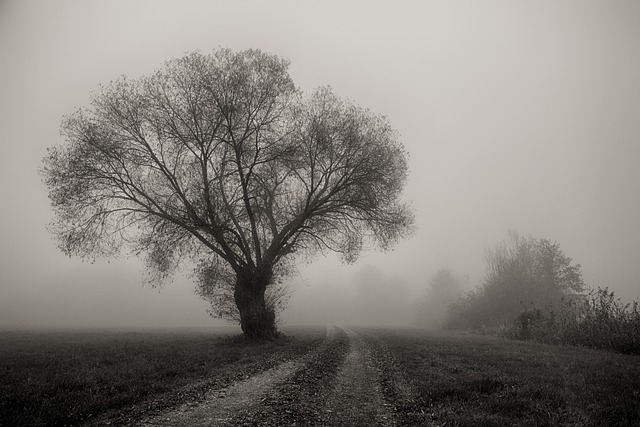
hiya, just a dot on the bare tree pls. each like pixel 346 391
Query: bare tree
pixel 219 161
pixel 443 289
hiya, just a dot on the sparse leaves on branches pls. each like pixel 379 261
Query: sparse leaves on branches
pixel 220 161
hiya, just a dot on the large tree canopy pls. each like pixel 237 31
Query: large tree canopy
pixel 220 161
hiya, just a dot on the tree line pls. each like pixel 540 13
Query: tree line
pixel 533 290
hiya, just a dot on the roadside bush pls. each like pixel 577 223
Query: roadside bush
pixel 599 321
pixel 605 322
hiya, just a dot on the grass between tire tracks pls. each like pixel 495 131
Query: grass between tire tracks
pixel 66 378
pixel 300 400
pixel 468 380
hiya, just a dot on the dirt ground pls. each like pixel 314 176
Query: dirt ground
pixel 337 384
pixel 407 377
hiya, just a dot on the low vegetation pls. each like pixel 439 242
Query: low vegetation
pixel 64 378
pixel 533 291
pixel 460 379
pixel 600 321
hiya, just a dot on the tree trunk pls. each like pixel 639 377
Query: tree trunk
pixel 257 319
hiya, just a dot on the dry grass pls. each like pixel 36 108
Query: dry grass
pixel 451 379
pixel 600 321
pixel 470 380
pixel 63 378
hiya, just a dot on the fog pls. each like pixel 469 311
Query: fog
pixel 516 115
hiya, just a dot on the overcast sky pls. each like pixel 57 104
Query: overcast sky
pixel 517 115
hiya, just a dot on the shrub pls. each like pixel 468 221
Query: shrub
pixel 522 272
pixel 599 321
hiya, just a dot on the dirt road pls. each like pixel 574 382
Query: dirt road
pixel 357 392
pixel 339 383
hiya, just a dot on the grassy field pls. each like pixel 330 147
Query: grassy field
pixel 66 377
pixel 431 378
pixel 457 379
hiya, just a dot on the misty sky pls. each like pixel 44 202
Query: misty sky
pixel 517 115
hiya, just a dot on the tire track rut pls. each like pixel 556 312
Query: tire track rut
pixel 300 400
pixel 237 401
pixel 357 398
pixel 346 381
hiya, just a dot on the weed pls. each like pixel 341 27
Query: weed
pixel 599 321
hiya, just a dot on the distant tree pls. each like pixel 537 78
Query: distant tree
pixel 379 299
pixel 443 288
pixel 523 273
pixel 219 161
